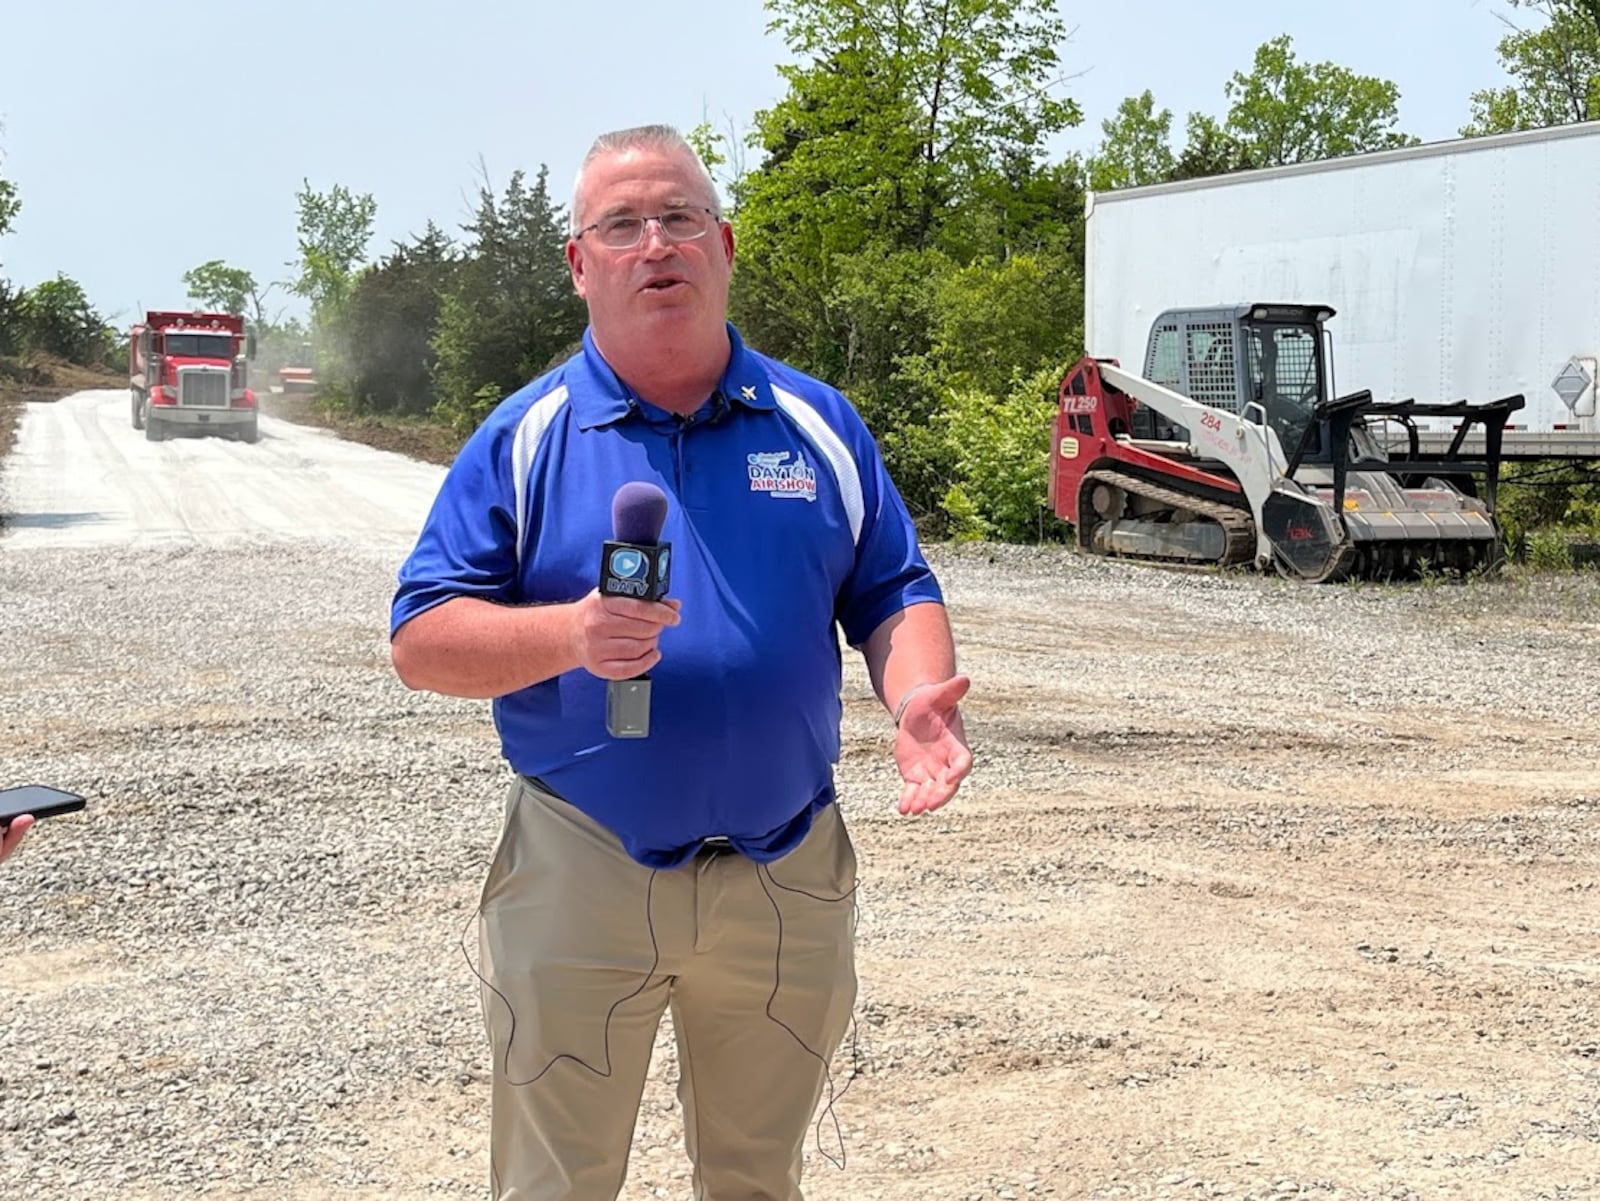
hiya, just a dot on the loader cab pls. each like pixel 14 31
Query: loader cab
pixel 1271 356
pixel 1286 369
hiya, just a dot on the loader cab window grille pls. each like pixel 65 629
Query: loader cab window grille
pixel 1164 366
pixel 1213 377
pixel 1166 358
pixel 1285 371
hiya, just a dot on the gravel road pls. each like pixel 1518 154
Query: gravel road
pixel 1258 890
pixel 82 476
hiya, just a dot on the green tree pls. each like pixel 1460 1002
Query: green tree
pixel 899 114
pixel 999 320
pixel 1558 496
pixel 10 297
pixel 970 79
pixel 881 310
pixel 1001 448
pixel 334 228
pixel 835 177
pixel 511 311
pixel 910 143
pixel 1211 150
pixel 388 322
pixel 225 289
pixel 1137 147
pixel 11 319
pixel 1281 111
pixel 58 319
pixel 1554 69
pixel 999 328
pixel 707 143
pixel 10 205
pixel 1286 111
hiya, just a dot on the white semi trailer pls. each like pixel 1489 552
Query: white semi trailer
pixel 1459 270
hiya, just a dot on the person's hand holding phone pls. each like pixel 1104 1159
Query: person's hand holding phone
pixel 13 834
pixel 21 807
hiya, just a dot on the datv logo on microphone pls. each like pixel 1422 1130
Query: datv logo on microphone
pixel 632 570
pixel 627 563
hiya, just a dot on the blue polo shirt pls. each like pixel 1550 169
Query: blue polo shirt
pixel 785 531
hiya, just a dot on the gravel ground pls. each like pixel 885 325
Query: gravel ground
pixel 1258 891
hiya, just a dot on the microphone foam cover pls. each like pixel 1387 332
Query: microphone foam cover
pixel 638 511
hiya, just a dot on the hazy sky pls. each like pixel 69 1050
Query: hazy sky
pixel 141 148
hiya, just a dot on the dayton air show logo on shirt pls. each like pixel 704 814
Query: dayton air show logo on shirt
pixel 773 474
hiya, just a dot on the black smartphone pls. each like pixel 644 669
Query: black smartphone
pixel 38 799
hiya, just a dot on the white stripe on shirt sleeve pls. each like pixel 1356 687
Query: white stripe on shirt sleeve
pixel 525 445
pixel 832 448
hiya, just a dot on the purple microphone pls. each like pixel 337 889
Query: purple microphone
pixel 634 563
pixel 638 511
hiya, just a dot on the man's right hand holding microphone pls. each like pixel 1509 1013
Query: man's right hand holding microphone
pixel 617 637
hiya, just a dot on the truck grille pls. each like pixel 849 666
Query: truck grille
pixel 204 387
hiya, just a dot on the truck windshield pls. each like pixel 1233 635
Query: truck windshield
pixel 200 346
pixel 1285 363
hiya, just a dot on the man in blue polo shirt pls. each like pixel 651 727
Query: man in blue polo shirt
pixel 704 867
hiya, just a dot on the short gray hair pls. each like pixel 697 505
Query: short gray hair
pixel 641 137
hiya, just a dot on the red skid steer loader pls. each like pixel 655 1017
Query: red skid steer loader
pixel 1231 450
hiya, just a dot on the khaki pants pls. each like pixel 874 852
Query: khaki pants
pixel 584 949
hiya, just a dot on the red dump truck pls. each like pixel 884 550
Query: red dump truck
pixel 187 373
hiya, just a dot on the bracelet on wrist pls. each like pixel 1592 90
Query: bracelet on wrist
pixel 905 697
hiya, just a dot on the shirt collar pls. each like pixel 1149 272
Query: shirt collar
pixel 601 398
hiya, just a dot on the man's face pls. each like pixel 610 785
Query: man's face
pixel 659 287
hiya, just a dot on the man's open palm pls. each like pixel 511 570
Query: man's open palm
pixel 931 746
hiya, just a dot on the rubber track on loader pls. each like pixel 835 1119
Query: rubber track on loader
pixel 1238 527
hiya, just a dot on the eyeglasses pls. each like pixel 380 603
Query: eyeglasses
pixel 678 225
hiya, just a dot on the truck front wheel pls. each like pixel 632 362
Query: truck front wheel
pixel 138 409
pixel 249 431
pixel 152 428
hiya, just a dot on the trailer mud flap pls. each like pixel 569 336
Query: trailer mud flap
pixel 1307 539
